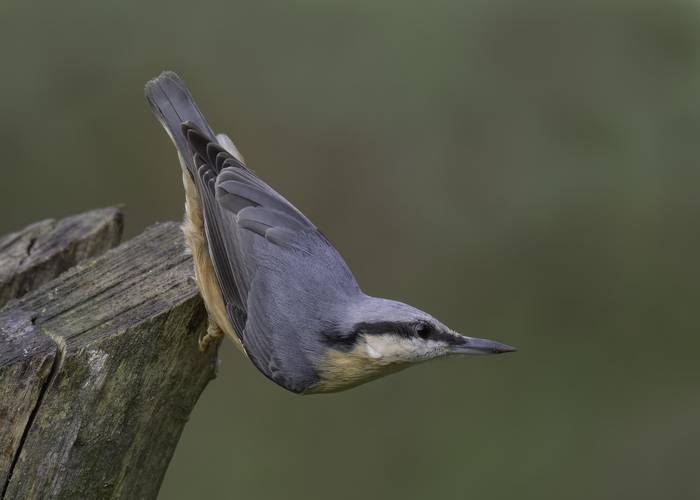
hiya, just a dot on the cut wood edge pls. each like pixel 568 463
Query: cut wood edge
pixel 86 347
pixel 42 251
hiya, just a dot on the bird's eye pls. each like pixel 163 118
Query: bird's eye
pixel 423 330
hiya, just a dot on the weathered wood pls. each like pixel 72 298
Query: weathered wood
pixel 42 251
pixel 99 370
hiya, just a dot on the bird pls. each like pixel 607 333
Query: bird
pixel 273 283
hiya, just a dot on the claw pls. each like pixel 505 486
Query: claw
pixel 214 333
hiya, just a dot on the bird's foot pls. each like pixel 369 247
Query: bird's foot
pixel 214 333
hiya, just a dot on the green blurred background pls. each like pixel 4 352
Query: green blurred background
pixel 525 170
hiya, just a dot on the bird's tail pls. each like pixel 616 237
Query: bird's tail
pixel 173 105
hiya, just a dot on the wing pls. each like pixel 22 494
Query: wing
pixel 272 262
pixel 279 276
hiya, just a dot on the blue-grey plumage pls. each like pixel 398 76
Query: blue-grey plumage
pixel 273 283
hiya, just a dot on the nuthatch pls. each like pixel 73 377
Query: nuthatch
pixel 273 283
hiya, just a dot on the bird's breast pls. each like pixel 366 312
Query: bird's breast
pixel 338 370
pixel 196 241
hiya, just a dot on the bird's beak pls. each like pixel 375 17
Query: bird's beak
pixel 472 345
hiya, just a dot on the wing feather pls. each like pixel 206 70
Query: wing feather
pixel 274 268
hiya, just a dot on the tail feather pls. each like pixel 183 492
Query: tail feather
pixel 173 105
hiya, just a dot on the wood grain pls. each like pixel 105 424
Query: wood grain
pixel 42 251
pixel 99 371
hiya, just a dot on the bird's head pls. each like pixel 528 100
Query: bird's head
pixel 382 336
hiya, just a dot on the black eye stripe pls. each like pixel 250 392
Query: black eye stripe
pixel 345 341
pixel 424 330
pixel 384 327
pixel 420 329
pixel 339 340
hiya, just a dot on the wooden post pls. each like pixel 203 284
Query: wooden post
pixel 99 367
